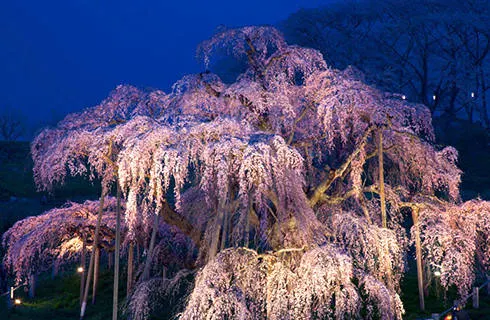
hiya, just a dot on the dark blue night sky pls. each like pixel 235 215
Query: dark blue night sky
pixel 60 56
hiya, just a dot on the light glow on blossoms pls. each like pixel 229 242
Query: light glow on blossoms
pixel 292 183
pixel 35 243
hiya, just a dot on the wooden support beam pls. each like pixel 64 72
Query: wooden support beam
pixel 418 255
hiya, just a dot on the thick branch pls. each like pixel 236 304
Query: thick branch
pixel 337 199
pixel 334 174
pixel 174 219
pixel 301 116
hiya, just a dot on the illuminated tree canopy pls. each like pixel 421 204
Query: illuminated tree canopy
pixel 293 183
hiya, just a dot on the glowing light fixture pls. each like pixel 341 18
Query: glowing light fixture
pixel 472 94
pixel 404 97
pixel 437 273
pixel 80 269
pixel 17 301
pixel 434 97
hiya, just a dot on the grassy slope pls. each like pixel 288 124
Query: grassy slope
pixel 59 300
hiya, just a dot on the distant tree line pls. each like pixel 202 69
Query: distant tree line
pixel 434 52
pixel 12 124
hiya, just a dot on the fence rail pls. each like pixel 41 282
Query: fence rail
pixel 12 289
pixel 459 304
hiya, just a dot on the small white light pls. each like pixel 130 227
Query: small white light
pixel 404 97
pixel 80 269
pixel 434 97
pixel 437 273
pixel 472 94
pixel 17 301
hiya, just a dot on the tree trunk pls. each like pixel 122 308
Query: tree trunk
pixel 247 224
pixel 214 245
pixel 149 257
pixel 362 202
pixel 8 302
pixel 96 274
pixel 418 255
pixel 138 254
pixel 83 264
pixel 55 270
pixel 483 105
pixel 92 256
pixel 110 259
pixel 32 285
pixel 382 180
pixel 224 232
pixel 116 253
pixel 129 285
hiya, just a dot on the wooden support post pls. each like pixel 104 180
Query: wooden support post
pixel 92 256
pixel 488 284
pixel 96 274
pixel 83 265
pixel 382 180
pixel 149 256
pixel 476 297
pixel 129 285
pixel 116 253
pixel 418 255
